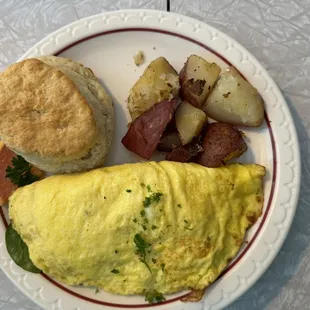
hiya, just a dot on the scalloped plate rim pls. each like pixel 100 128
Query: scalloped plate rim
pixel 283 105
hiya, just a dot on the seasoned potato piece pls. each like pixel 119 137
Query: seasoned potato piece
pixel 234 101
pixel 197 79
pixel 158 82
pixel 221 143
pixel 189 121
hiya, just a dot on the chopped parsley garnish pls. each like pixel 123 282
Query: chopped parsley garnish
pixel 154 260
pixel 179 205
pixel 142 184
pixel 135 220
pixel 142 212
pixel 148 187
pixel 115 271
pixel 154 297
pixel 162 267
pixel 153 198
pixel 144 227
pixel 20 173
pixel 154 227
pixel 97 290
pixel 128 190
pixel 141 245
pixel 146 220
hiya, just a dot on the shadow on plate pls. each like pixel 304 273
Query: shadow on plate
pixel 292 256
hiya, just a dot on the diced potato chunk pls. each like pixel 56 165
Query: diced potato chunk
pixel 158 82
pixel 189 121
pixel 197 79
pixel 234 101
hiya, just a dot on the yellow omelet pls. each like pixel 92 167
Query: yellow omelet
pixel 135 228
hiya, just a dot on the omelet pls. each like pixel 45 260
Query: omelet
pixel 141 227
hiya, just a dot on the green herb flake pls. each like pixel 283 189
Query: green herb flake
pixel 154 297
pixel 153 198
pixel 135 220
pixel 144 227
pixel 148 187
pixel 128 190
pixel 147 202
pixel 179 205
pixel 146 220
pixel 162 267
pixel 142 213
pixel 115 271
pixel 156 196
pixel 153 227
pixel 20 173
pixel 141 245
pixel 185 221
pixel 116 252
pixel 142 184
pixel 97 290
pixel 154 260
pixel 18 250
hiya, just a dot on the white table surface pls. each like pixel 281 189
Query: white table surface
pixel 277 32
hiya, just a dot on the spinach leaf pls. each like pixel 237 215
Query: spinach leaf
pixel 18 250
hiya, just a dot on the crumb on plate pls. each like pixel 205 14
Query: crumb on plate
pixel 138 58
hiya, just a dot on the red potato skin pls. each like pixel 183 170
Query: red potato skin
pixel 169 141
pixel 145 132
pixel 185 153
pixel 190 152
pixel 187 86
pixel 170 138
pixel 221 143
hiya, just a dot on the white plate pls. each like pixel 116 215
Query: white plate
pixel 106 43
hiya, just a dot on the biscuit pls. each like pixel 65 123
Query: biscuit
pixel 56 114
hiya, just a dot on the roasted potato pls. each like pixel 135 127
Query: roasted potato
pixel 234 101
pixel 158 82
pixel 189 121
pixel 221 143
pixel 146 130
pixel 197 79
